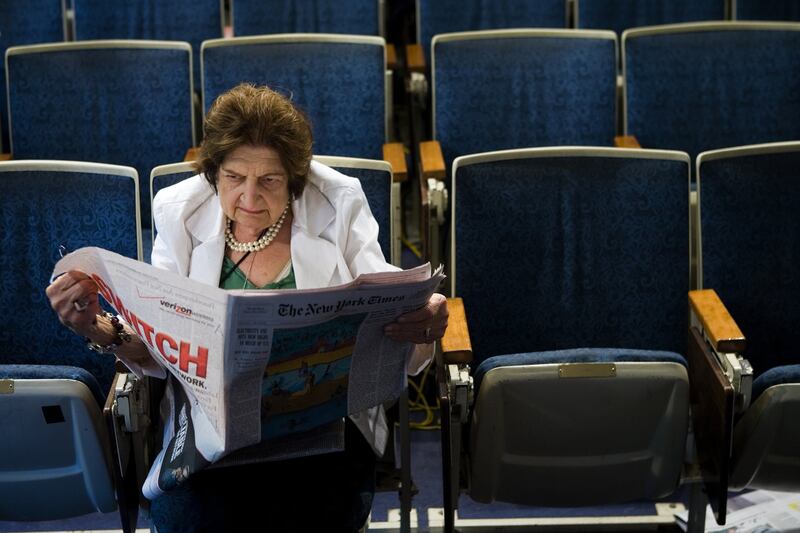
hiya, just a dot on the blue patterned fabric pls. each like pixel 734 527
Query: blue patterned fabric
pixel 258 17
pixel 340 86
pixel 579 355
pixel 193 21
pixel 775 376
pixel 25 22
pixel 619 15
pixel 702 90
pixel 40 210
pixel 560 252
pixel 447 16
pixel 514 92
pixel 377 187
pixel 751 249
pixel 126 106
pixel 767 10
pixel 55 372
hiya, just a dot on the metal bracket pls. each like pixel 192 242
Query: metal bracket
pixel 130 403
pixel 437 199
pixel 739 373
pixel 460 384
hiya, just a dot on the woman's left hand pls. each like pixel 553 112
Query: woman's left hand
pixel 422 326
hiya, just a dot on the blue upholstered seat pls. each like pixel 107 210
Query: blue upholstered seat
pixel 556 251
pixel 447 16
pixel 750 249
pixel 337 80
pixel 177 20
pixel 619 15
pixel 496 90
pixel 259 17
pixel 703 86
pixel 26 22
pixel 763 10
pixel 59 462
pixel 119 102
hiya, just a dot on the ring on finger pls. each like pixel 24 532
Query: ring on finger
pixel 80 305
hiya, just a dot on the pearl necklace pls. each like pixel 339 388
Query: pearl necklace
pixel 259 244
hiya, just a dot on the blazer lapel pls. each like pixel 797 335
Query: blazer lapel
pixel 207 227
pixel 314 258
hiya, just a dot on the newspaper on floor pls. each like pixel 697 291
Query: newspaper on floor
pixel 757 511
pixel 270 367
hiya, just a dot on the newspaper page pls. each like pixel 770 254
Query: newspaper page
pixel 271 368
pixel 757 511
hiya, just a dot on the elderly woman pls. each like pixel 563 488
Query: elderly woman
pixel 261 214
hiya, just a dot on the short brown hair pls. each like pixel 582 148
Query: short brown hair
pixel 258 116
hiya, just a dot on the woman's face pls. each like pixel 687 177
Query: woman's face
pixel 253 188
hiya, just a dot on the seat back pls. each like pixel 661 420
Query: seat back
pixel 447 16
pixel 619 15
pixel 760 10
pixel 259 17
pixel 26 22
pixel 702 86
pixel 563 248
pixel 572 247
pixel 504 89
pixel 749 242
pixel 177 20
pixel 337 80
pixel 47 204
pixel 120 102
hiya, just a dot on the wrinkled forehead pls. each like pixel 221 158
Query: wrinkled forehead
pixel 257 160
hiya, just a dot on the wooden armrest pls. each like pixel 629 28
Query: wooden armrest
pixel 456 346
pixel 431 160
pixel 395 154
pixel 415 58
pixel 5 157
pixel 391 57
pixel 720 328
pixel 191 153
pixel 626 141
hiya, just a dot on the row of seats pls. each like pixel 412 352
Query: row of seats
pixel 578 320
pixel 572 265
pixel 727 84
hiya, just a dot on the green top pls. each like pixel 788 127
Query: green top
pixel 238 280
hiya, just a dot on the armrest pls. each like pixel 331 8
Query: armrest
pixel 391 57
pixel 5 157
pixel 626 141
pixel 415 58
pixel 191 153
pixel 456 345
pixel 431 160
pixel 395 154
pixel 720 328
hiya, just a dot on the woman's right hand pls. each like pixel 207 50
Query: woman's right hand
pixel 73 296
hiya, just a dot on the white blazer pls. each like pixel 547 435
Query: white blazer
pixel 334 239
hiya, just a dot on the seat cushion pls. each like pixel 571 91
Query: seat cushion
pixel 578 355
pixel 775 376
pixel 54 372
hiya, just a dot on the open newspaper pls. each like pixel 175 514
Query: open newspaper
pixel 271 368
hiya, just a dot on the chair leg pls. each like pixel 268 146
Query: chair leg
pixel 405 465
pixel 697 509
pixel 447 455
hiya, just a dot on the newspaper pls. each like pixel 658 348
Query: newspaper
pixel 758 511
pixel 260 366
